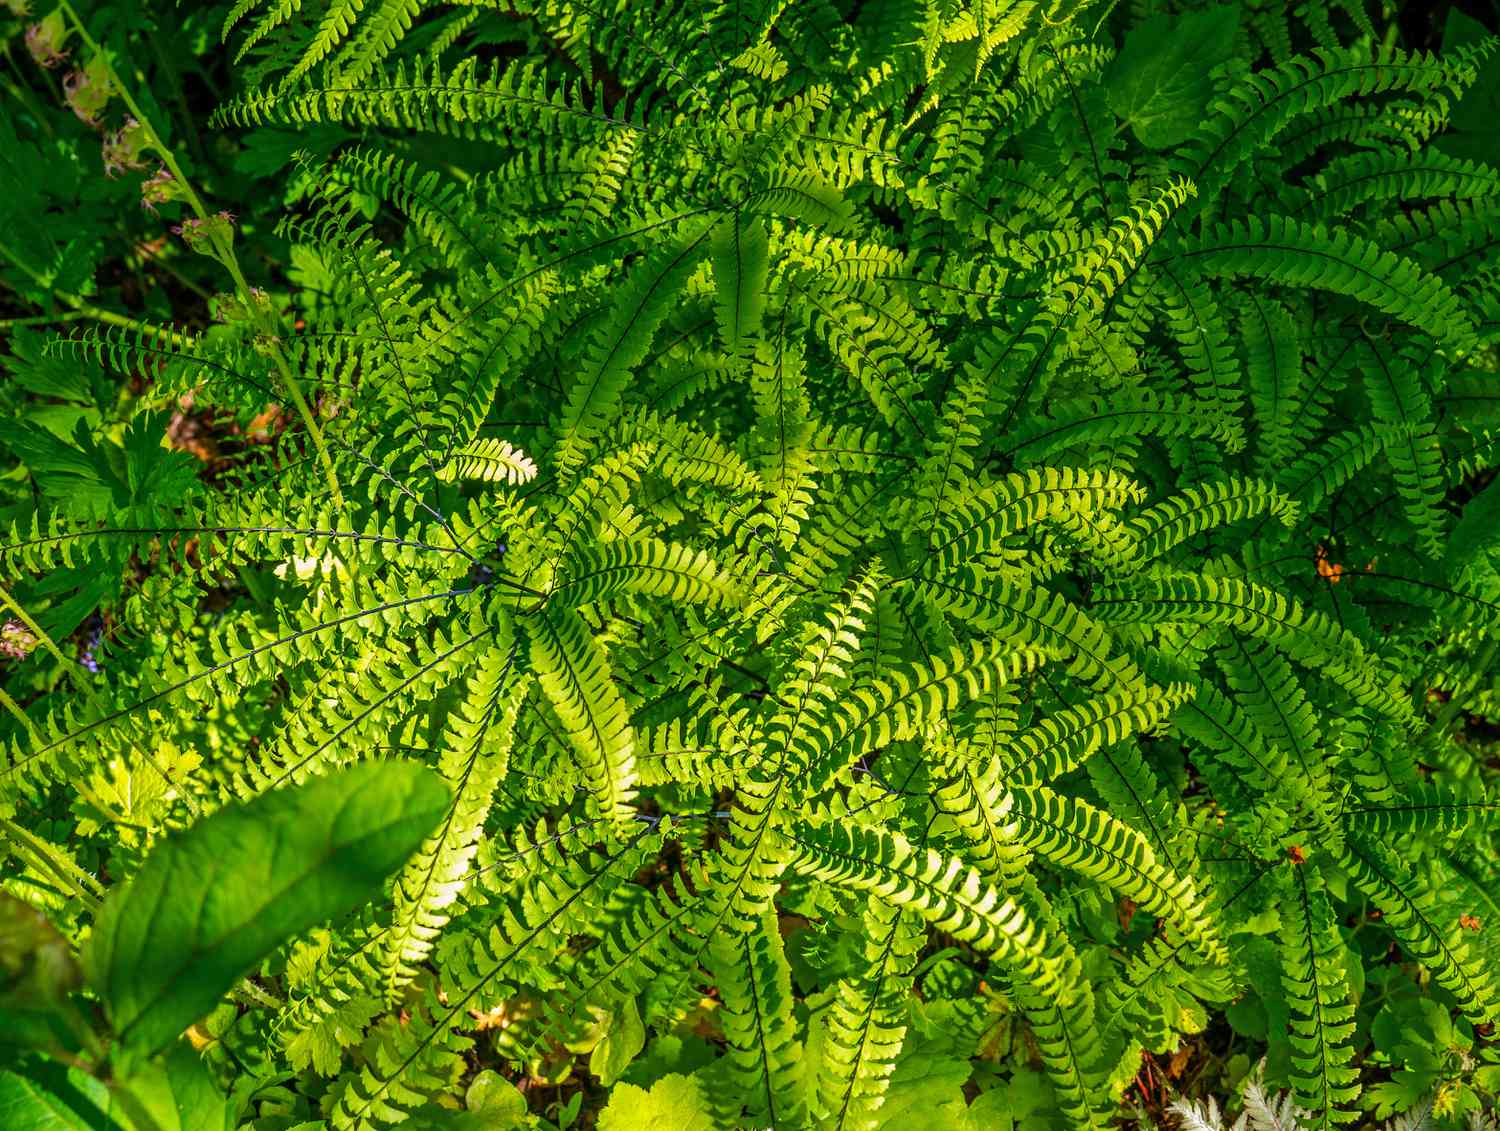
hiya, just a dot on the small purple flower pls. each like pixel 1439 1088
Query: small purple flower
pixel 87 659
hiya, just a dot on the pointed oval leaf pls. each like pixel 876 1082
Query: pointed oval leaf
pixel 212 901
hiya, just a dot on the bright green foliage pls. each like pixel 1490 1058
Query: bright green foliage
pixel 908 553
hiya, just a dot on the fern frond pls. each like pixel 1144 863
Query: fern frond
pixel 1135 412
pixel 866 1024
pixel 740 254
pixel 1078 836
pixel 942 891
pixel 752 971
pixel 1296 254
pixel 641 565
pixel 619 346
pixel 574 673
pixel 493 460
pixel 897 706
pixel 1062 741
pixel 1037 618
pixel 1206 507
pixel 1410 914
pixel 476 756
pixel 1312 975
pixel 1307 636
pixel 1018 501
pixel 1262 104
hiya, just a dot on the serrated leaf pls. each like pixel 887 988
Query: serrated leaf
pixel 1160 83
pixel 674 1101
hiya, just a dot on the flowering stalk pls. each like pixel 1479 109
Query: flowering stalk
pixel 218 243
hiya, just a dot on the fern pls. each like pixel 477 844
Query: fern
pixel 941 554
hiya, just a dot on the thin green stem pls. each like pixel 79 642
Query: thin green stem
pixel 161 262
pixel 41 855
pixel 174 80
pixel 15 709
pixel 223 251
pixel 43 319
pixel 43 637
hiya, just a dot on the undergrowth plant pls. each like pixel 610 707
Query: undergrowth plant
pixel 939 551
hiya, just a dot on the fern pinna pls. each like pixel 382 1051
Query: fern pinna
pixel 885 530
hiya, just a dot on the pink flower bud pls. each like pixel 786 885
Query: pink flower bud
pixel 122 149
pixel 205 234
pixel 45 39
pixel 87 91
pixel 158 189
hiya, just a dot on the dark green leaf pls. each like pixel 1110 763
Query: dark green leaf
pixel 622 1043
pixel 1160 81
pixel 1474 124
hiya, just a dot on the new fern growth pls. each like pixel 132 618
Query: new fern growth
pixel 896 525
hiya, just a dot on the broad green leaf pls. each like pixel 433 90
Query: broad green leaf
pixel 75 474
pixel 36 963
pixel 37 972
pixel 926 1090
pixel 48 375
pixel 42 1030
pixel 1024 1103
pixel 622 1043
pixel 1160 83
pixel 498 1100
pixel 212 901
pixel 26 1106
pixel 154 473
